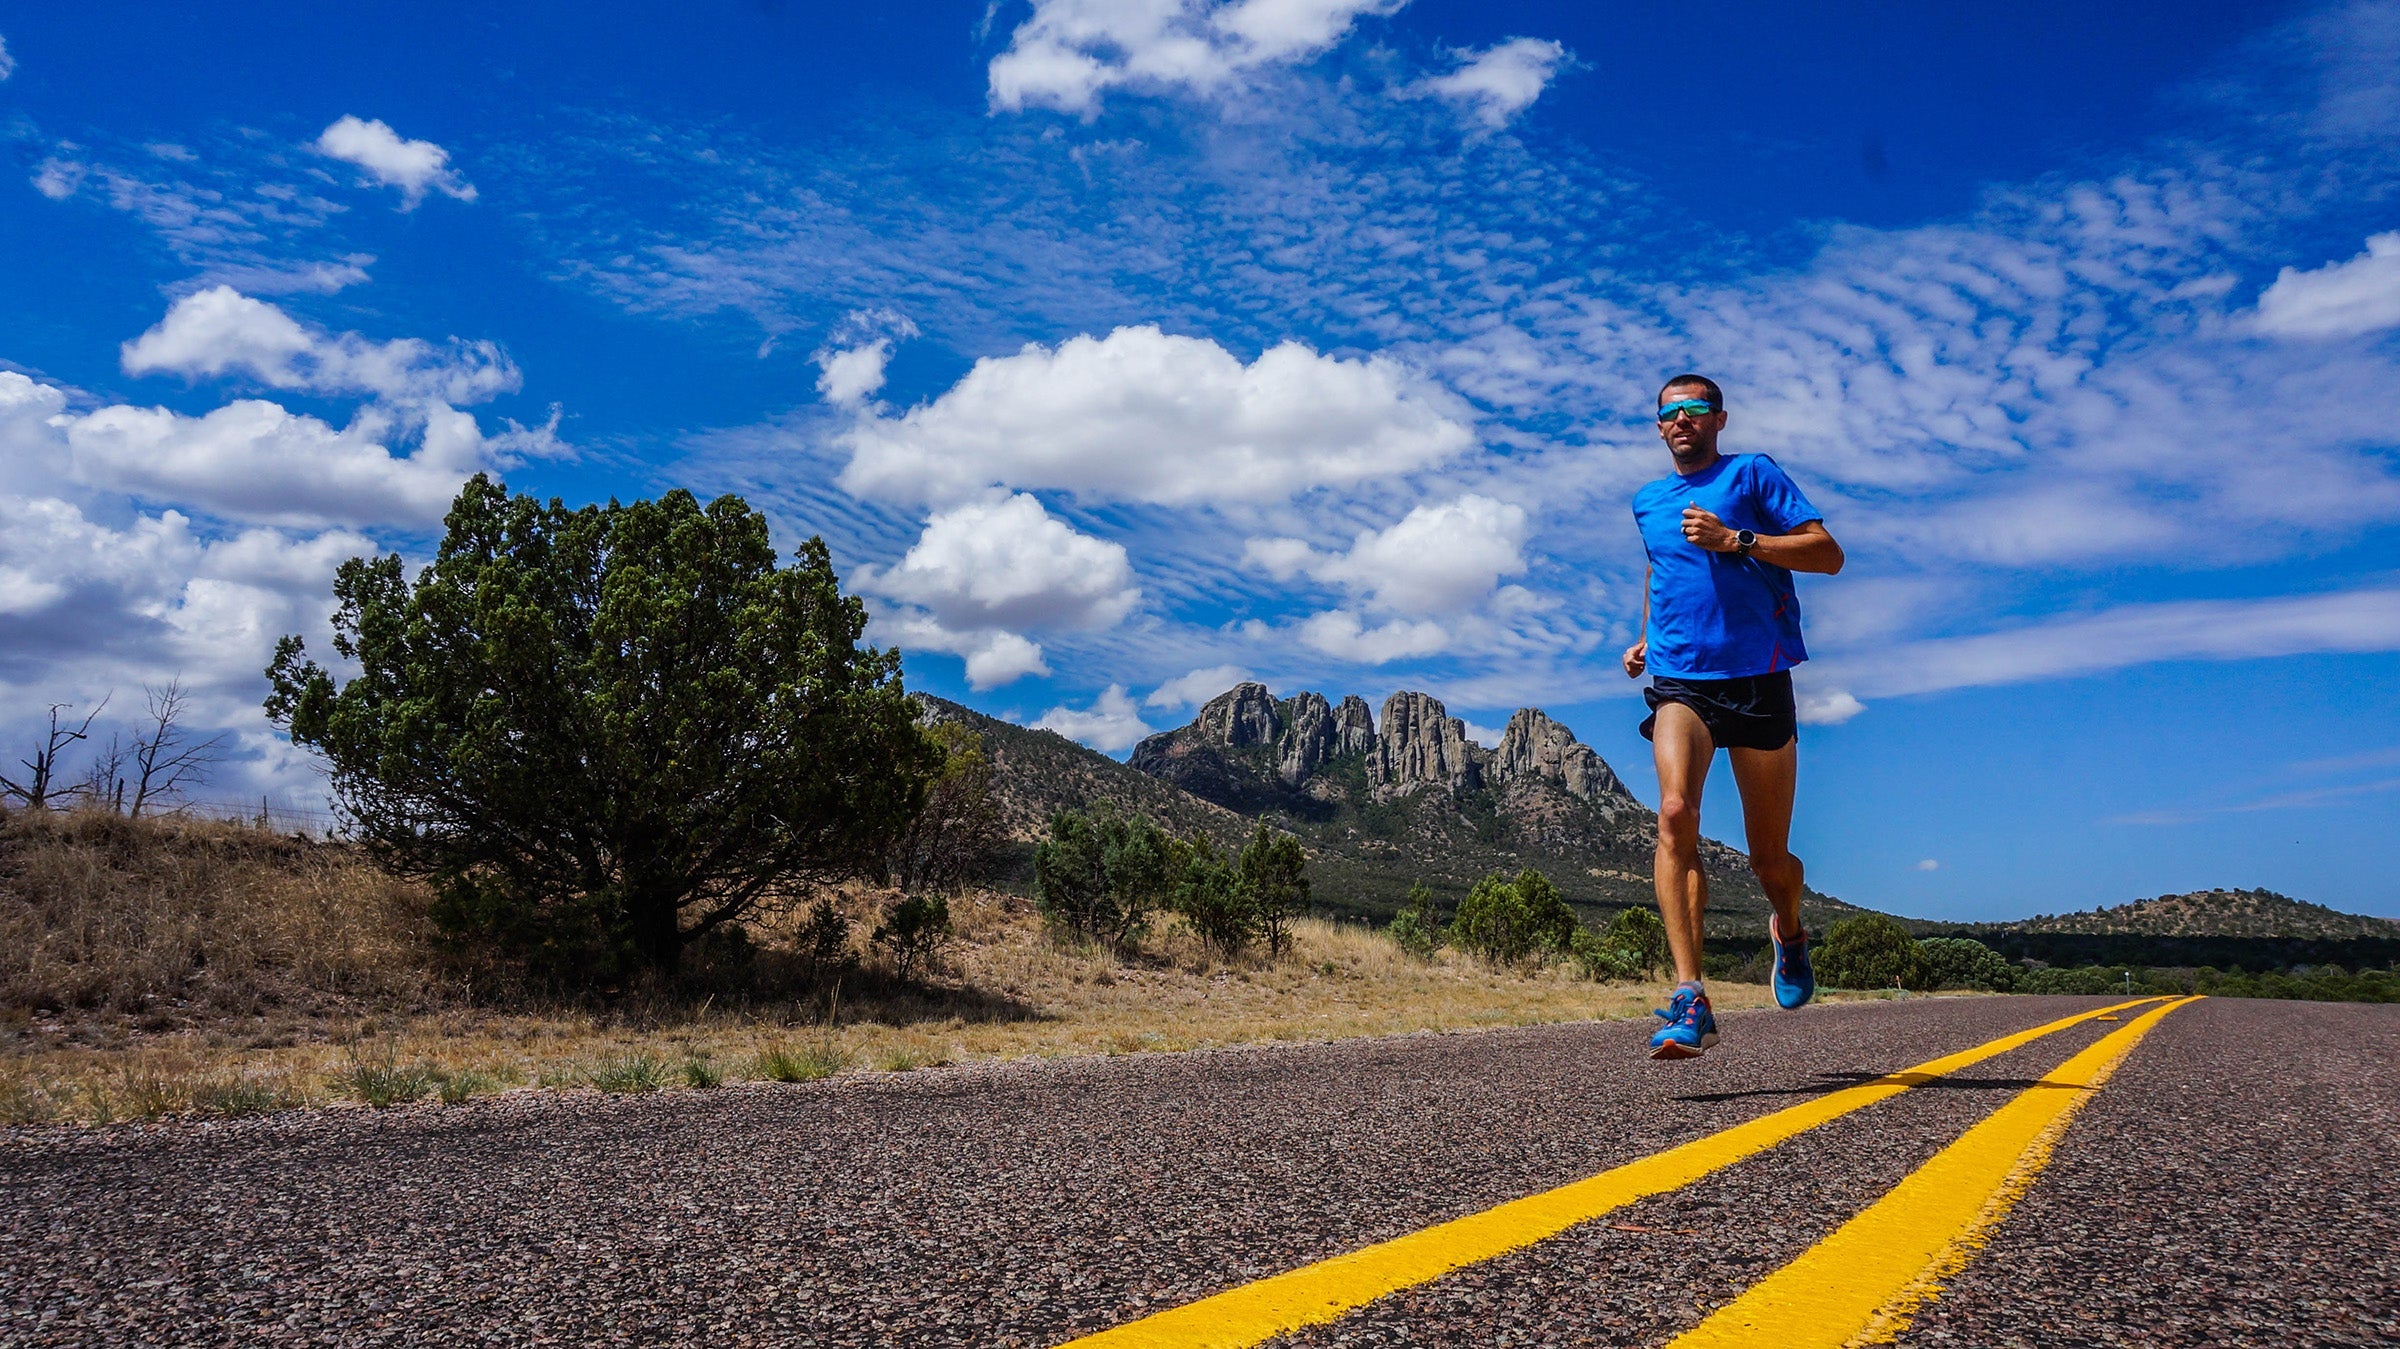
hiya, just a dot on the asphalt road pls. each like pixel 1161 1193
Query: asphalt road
pixel 2236 1183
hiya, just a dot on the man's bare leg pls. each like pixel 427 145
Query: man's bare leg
pixel 1766 779
pixel 1681 748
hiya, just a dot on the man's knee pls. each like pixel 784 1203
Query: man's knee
pixel 1678 822
pixel 1776 869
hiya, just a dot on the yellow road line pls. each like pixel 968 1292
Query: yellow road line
pixel 1864 1282
pixel 1256 1312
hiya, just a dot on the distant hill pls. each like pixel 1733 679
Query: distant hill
pixel 2255 930
pixel 1380 804
pixel 2215 913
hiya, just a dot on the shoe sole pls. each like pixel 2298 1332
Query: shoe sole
pixel 1677 1049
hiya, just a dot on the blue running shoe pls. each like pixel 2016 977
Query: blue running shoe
pixel 1795 981
pixel 1691 1027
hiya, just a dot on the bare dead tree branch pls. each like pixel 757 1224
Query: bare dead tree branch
pixel 104 781
pixel 165 757
pixel 36 791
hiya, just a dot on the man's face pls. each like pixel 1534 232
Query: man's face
pixel 1690 436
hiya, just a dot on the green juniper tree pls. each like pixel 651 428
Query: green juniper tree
pixel 603 732
pixel 1272 877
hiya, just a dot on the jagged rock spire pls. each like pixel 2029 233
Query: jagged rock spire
pixel 1534 746
pixel 1422 745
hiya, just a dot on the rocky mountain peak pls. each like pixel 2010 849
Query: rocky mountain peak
pixel 1421 746
pixel 1535 747
pixel 1242 716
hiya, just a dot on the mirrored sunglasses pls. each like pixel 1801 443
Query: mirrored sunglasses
pixel 1697 407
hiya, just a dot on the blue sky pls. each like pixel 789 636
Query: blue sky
pixel 1123 349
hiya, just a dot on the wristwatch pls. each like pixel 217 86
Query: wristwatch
pixel 1744 541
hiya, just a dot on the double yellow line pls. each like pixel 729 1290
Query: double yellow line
pixel 1919 1233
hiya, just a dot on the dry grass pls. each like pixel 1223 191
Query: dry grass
pixel 173 921
pixel 182 969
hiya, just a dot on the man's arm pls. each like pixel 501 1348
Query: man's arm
pixel 1808 548
pixel 1638 655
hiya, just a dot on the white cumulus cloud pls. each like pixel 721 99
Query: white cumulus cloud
pixel 1110 724
pixel 1072 51
pixel 1197 687
pixel 219 331
pixel 1828 708
pixel 1439 559
pixel 412 166
pixel 1005 562
pixel 1343 635
pixel 1496 84
pixel 982 571
pixel 1141 415
pixel 1929 864
pixel 2340 299
pixel 256 461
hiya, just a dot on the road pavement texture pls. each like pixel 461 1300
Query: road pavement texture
pixel 2236 1181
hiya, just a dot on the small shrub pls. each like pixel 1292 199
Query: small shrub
pixel 1632 946
pixel 915 933
pixel 1272 874
pixel 801 1063
pixel 1212 900
pixel 23 1101
pixel 898 1059
pixel 1869 950
pixel 1417 928
pixel 229 1098
pixel 825 942
pixel 383 1082
pixel 464 1085
pixel 2083 979
pixel 700 1074
pixel 149 1095
pixel 1507 921
pixel 1100 875
pixel 1963 962
pixel 628 1073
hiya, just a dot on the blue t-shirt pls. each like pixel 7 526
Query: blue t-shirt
pixel 1721 615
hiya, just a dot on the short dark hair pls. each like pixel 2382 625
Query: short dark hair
pixel 1716 396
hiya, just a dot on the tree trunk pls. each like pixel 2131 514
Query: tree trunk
pixel 657 933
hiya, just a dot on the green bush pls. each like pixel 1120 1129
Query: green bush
pixel 915 933
pixel 1506 921
pixel 1100 875
pixel 1868 950
pixel 1272 875
pixel 2082 979
pixel 1963 962
pixel 1632 946
pixel 1417 929
pixel 824 942
pixel 1210 897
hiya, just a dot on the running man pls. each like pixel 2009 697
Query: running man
pixel 1720 635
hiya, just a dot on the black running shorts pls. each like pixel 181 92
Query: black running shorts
pixel 1752 712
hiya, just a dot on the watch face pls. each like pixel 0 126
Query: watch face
pixel 1745 538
